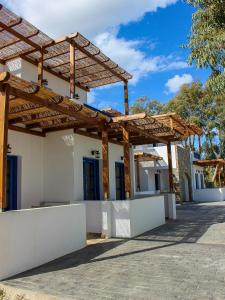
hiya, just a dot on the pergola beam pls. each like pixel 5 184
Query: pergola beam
pixel 20 36
pixel 105 163
pixel 44 102
pixel 4 109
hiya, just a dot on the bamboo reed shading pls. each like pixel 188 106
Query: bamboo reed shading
pixel 143 156
pixel 177 123
pixel 209 162
pixel 19 38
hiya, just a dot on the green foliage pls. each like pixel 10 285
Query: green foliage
pixel 197 105
pixel 144 104
pixel 207 40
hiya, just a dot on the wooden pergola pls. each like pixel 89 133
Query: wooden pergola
pixel 178 124
pixel 72 58
pixel 218 164
pixel 32 108
pixel 140 157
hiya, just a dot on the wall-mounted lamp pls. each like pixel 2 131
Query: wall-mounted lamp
pixel 9 149
pixel 77 97
pixel 121 158
pixel 96 153
pixel 45 82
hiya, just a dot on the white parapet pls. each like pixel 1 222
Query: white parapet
pixel 170 206
pixel 125 218
pixel 32 237
pixel 209 195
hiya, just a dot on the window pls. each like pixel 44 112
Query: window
pixel 196 181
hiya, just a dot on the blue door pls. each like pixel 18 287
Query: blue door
pixel 120 186
pixel 91 179
pixel 11 182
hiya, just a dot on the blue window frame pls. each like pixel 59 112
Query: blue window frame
pixel 11 182
pixel 91 179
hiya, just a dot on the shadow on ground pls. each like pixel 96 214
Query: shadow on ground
pixel 192 223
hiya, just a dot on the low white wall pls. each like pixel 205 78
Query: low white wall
pixel 93 216
pixel 32 237
pixel 128 218
pixel 209 195
pixel 146 214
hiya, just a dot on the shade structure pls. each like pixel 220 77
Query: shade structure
pixel 19 38
pixel 210 162
pixel 143 156
pixel 178 124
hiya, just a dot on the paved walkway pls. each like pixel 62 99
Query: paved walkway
pixel 184 259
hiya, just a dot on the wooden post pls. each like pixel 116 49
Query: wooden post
pixel 126 104
pixel 105 160
pixel 199 144
pixel 189 138
pixel 126 149
pixel 138 174
pixel 72 71
pixel 170 166
pixel 4 108
pixel 40 68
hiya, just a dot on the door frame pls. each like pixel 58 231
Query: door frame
pixel 13 192
pixel 96 178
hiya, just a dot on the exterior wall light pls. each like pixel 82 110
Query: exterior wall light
pixel 45 82
pixel 121 158
pixel 96 153
pixel 9 149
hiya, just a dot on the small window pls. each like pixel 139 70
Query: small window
pixel 196 181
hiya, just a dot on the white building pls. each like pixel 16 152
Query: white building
pixel 57 151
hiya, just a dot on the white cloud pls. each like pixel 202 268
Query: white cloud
pixel 174 83
pixel 90 17
pixel 127 54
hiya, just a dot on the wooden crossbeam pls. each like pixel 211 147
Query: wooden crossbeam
pixel 31 118
pixel 19 21
pixel 27 131
pixel 17 41
pixel 47 69
pixel 20 36
pixel 93 57
pixel 129 118
pixel 52 106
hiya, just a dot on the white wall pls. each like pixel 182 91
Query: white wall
pixel 27 71
pixel 59 167
pixel 51 168
pixel 93 216
pixel 33 237
pixel 209 195
pixel 29 149
pixel 128 218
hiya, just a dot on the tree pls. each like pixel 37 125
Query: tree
pixel 144 104
pixel 195 104
pixel 207 41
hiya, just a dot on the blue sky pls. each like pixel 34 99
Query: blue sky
pixel 143 36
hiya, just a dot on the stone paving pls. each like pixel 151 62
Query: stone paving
pixel 184 259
